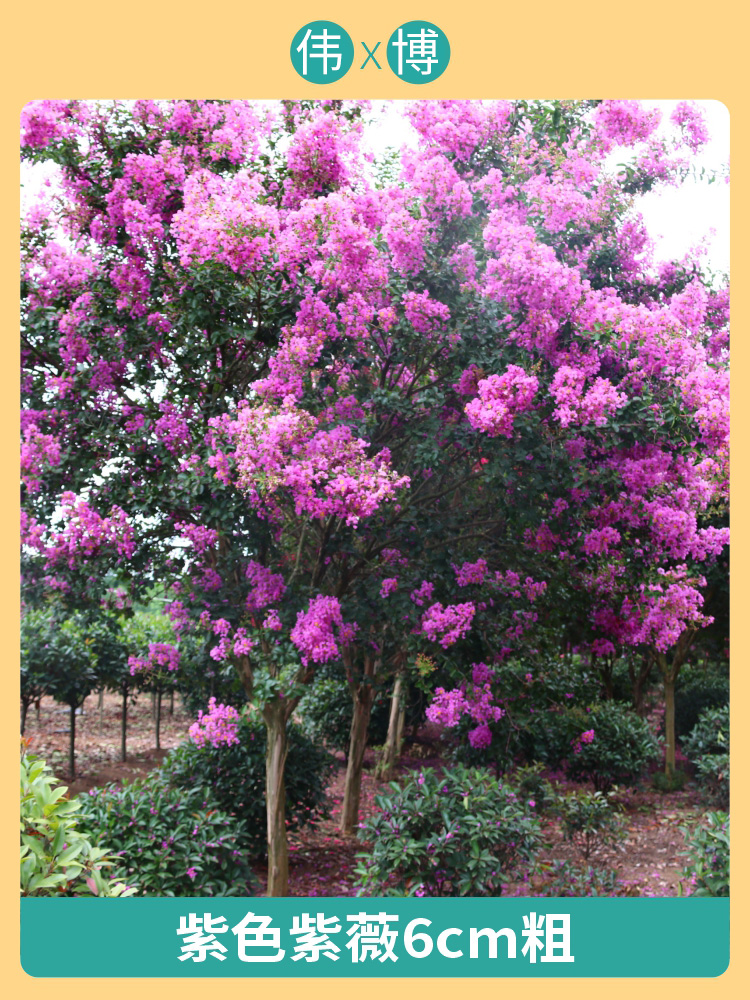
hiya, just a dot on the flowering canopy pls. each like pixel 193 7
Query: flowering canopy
pixel 300 389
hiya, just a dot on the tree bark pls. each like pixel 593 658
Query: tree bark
pixel 72 745
pixel 158 718
pixel 363 700
pixel 276 750
pixel 669 736
pixel 124 725
pixel 392 749
pixel 24 712
pixel 638 680
pixel 669 671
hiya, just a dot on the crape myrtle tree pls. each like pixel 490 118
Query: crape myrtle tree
pixel 342 414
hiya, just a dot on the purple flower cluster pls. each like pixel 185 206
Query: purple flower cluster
pixel 218 726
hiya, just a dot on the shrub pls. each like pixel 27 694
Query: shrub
pixel 460 834
pixel 57 859
pixel 707 870
pixel 619 751
pixel 710 735
pixel 172 841
pixel 707 746
pixel 326 714
pixel 534 788
pixel 590 820
pixel 713 774
pixel 564 878
pixel 696 691
pixel 236 775
pixel 537 725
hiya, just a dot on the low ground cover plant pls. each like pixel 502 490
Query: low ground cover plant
pixel 463 833
pixel 172 841
pixel 707 869
pixel 590 820
pixel 567 878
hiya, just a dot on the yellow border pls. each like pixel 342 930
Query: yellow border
pixel 87 50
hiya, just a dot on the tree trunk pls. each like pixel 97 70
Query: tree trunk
pixel 124 725
pixel 669 737
pixel 669 672
pixel 101 710
pixel 638 680
pixel 171 702
pixel 158 717
pixel 392 749
pixel 72 746
pixel 276 750
pixel 24 712
pixel 606 670
pixel 363 700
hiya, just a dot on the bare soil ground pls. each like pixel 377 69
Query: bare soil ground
pixel 322 861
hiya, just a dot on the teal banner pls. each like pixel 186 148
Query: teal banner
pixel 374 937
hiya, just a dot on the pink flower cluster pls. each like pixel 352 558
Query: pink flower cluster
pixel 476 700
pixel 500 398
pixel 217 727
pixel 268 587
pixel 86 533
pixel 161 656
pixel 471 572
pixel 327 472
pixel 447 625
pixel 43 122
pixel 201 538
pixel 580 741
pixel 691 120
pixel 574 406
pixel 38 452
pixel 320 630
pixel 223 221
pixel 422 593
pixel 625 122
pixel 236 642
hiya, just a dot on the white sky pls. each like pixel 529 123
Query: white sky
pixel 677 218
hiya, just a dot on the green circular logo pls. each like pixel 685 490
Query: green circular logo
pixel 322 52
pixel 418 52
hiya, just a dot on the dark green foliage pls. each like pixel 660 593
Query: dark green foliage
pixel 57 650
pixel 236 775
pixel 171 841
pixel 707 870
pixel 710 735
pixel 707 746
pixel 697 690
pixel 460 834
pixel 326 713
pixel 622 747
